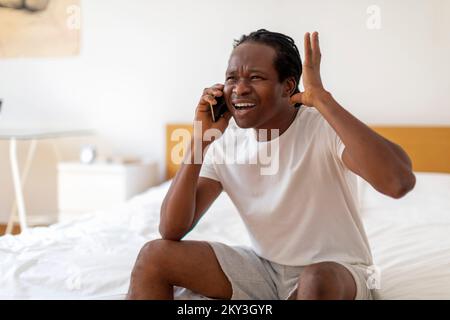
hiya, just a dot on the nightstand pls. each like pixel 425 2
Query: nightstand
pixel 88 187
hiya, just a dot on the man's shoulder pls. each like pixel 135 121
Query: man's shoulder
pixel 310 122
pixel 312 115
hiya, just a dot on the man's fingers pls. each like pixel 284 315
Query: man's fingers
pixel 208 99
pixel 210 93
pixel 308 49
pixel 316 47
pixel 218 86
pixel 213 92
pixel 296 98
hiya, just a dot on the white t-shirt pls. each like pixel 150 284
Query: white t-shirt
pixel 301 207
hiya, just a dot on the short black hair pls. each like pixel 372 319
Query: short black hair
pixel 287 62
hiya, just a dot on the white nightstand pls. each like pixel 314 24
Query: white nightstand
pixel 87 187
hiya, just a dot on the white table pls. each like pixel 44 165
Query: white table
pixel 31 134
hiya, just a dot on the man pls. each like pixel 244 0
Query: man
pixel 308 241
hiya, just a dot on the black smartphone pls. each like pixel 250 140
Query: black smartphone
pixel 219 109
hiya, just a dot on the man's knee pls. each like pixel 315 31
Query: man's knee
pixel 151 269
pixel 319 271
pixel 154 257
pixel 318 275
pixel 325 280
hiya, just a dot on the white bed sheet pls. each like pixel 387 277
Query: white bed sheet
pixel 410 238
pixel 92 258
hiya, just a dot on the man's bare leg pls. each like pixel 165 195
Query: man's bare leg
pixel 162 264
pixel 325 281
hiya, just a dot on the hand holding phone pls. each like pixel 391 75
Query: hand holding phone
pixel 218 109
pixel 212 110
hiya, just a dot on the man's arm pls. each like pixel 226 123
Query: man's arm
pixel 380 162
pixel 189 195
pixel 188 198
pixel 385 165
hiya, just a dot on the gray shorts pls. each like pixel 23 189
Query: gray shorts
pixel 255 278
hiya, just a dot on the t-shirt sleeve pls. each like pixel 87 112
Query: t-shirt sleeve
pixel 208 169
pixel 334 141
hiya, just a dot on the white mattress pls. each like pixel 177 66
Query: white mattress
pixel 92 258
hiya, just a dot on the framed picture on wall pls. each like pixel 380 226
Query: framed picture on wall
pixel 39 28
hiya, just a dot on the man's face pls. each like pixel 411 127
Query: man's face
pixel 251 78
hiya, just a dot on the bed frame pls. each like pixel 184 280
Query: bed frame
pixel 428 147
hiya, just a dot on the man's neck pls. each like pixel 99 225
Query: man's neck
pixel 282 122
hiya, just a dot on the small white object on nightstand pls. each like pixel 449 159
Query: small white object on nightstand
pixel 87 154
pixel 83 188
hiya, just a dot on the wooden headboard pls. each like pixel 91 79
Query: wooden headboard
pixel 428 147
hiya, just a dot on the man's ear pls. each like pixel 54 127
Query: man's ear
pixel 289 87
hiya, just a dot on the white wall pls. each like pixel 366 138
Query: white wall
pixel 145 63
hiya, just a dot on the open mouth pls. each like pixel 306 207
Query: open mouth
pixel 243 106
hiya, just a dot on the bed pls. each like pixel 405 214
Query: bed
pixel 92 257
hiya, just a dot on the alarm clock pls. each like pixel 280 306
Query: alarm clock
pixel 87 154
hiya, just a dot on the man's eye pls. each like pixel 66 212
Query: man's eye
pixel 256 77
pixel 230 78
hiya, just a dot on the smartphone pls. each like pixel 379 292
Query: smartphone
pixel 218 109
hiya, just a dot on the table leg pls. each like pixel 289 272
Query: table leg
pixel 17 184
pixel 24 176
